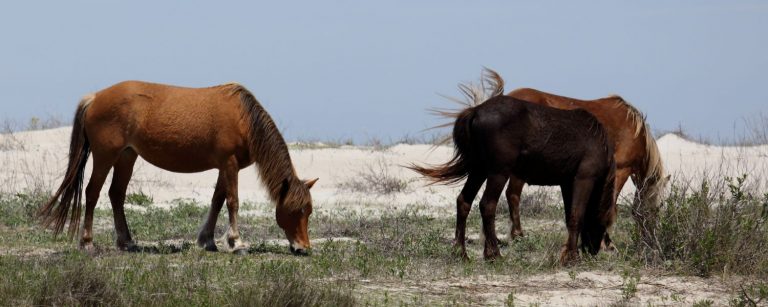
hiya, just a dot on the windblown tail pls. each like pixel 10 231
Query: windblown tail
pixel 458 167
pixel 66 201
pixel 453 171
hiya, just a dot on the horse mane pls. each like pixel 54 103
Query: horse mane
pixel 654 166
pixel 491 85
pixel 270 152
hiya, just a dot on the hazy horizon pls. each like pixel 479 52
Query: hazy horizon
pixel 343 70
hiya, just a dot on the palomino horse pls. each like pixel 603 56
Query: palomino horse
pixel 635 152
pixel 182 130
pixel 503 137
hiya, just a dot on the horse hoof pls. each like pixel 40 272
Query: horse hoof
pixel 568 258
pixel 210 248
pixel 240 251
pixel 129 247
pixel 88 248
pixel 492 256
pixel 516 235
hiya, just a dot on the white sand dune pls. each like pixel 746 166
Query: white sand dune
pixel 38 159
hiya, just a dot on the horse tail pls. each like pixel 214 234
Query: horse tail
pixel 66 201
pixel 458 167
pixel 491 85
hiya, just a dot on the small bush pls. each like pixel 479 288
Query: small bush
pixel 375 179
pixel 138 199
pixel 20 209
pixel 704 231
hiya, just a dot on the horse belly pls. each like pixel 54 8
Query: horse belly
pixel 179 160
pixel 186 152
pixel 534 169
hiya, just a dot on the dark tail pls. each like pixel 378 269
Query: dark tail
pixel 66 201
pixel 458 167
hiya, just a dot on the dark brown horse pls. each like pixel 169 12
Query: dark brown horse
pixel 182 130
pixel 635 152
pixel 504 138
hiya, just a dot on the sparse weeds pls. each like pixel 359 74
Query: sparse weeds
pixel 399 246
pixel 752 295
pixel 629 284
pixel 375 178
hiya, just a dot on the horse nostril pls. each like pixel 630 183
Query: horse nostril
pixel 299 251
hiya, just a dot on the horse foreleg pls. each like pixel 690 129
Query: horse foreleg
pixel 514 189
pixel 488 203
pixel 463 207
pixel 121 175
pixel 581 192
pixel 622 174
pixel 230 181
pixel 205 238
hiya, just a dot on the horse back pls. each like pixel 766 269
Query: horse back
pixel 163 122
pixel 620 120
pixel 542 145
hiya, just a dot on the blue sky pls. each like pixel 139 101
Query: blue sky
pixel 361 69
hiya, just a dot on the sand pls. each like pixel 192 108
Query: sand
pixel 38 159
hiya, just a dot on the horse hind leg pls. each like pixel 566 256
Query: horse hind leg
pixel 463 207
pixel 514 189
pixel 121 176
pixel 205 238
pixel 488 203
pixel 101 165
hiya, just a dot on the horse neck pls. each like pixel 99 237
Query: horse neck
pixel 268 149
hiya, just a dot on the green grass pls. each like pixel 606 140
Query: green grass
pixel 703 232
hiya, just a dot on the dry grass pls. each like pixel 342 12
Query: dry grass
pixel 375 178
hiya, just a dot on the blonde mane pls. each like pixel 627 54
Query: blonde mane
pixel 654 166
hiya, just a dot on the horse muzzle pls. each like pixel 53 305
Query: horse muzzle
pixel 298 250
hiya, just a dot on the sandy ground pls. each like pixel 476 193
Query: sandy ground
pixel 38 159
pixel 591 288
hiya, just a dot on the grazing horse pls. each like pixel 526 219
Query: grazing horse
pixel 635 152
pixel 503 137
pixel 183 130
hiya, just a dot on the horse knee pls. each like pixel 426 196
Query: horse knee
pixel 514 200
pixel 488 209
pixel 462 206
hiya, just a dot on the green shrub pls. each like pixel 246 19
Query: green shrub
pixel 138 199
pixel 703 231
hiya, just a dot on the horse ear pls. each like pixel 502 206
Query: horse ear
pixel 310 183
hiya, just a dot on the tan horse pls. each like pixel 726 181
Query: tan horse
pixel 182 130
pixel 635 152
